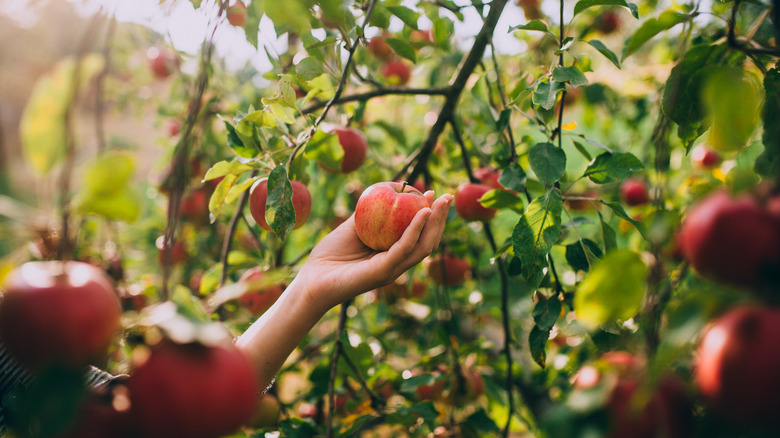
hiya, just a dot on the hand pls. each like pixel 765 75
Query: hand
pixel 341 267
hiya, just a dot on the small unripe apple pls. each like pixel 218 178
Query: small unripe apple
pixel 192 390
pixel 379 47
pixel 467 202
pixel 737 366
pixel 705 157
pixel 448 270
pixel 397 72
pixel 236 14
pixel 634 192
pixel 384 211
pixel 258 300
pixel 162 62
pixel 354 144
pixel 301 200
pixel 56 312
pixel 733 240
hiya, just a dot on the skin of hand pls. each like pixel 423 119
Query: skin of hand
pixel 339 268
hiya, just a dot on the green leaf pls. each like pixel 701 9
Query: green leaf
pixel 537 342
pixel 402 48
pixel 499 198
pixel 408 16
pixel 196 3
pixel 513 177
pixel 651 28
pixel 546 312
pixel 222 168
pixel 279 212
pixel 609 54
pixel 536 232
pixel 608 235
pixel 612 167
pixel 380 17
pixel 360 356
pixel 570 74
pixel 768 163
pixel 42 124
pixel 480 422
pixel 544 94
pixel 682 92
pixel 107 187
pixel 582 255
pixel 123 204
pixel 732 98
pixel 503 120
pixel 585 4
pixel 254 12
pixel 308 68
pixel 535 25
pixel 220 194
pixel 288 15
pixel 326 149
pixel 548 162
pixel 581 149
pixel 283 113
pixel 617 208
pixel 613 290
pixel 236 144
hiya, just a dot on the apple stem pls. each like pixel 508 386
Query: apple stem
pixel 403 186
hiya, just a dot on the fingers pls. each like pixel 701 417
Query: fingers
pixel 421 237
pixel 401 250
pixel 429 196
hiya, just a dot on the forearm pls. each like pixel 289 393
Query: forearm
pixel 270 340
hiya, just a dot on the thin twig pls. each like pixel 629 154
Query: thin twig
pixel 385 91
pixel 334 360
pixel 231 231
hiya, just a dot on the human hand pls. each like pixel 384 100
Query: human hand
pixel 341 267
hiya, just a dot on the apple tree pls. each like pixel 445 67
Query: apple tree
pixel 609 267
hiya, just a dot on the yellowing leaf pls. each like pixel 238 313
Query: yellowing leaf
pixel 569 126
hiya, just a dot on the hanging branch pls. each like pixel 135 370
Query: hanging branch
pixel 64 249
pixel 379 92
pixel 502 94
pixel 732 37
pixel 231 231
pixel 181 156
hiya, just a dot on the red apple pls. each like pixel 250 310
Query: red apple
pixel 58 313
pixel 434 391
pixel 258 300
pixel 634 192
pixel 608 21
pixel 162 62
pixel 236 14
pixel 301 200
pixel 194 206
pixel 192 390
pixel 733 240
pixel 174 128
pixel 178 252
pixel 666 411
pixel 467 202
pixel 354 144
pixel 384 211
pixel 419 38
pixel 379 47
pixel 704 157
pixel 488 177
pixel 307 410
pixel 448 270
pixel 737 365
pixel 396 72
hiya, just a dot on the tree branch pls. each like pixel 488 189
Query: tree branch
pixel 386 91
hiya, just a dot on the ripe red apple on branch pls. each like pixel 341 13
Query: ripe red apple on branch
pixel 56 312
pixel 397 72
pixel 301 200
pixel 448 270
pixel 379 47
pixel 737 366
pixel 384 211
pixel 162 62
pixel 467 202
pixel 258 300
pixel 634 191
pixel 236 14
pixel 191 390
pixel 734 240
pixel 354 144
pixel 704 157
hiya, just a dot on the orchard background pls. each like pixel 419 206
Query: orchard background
pixel 599 128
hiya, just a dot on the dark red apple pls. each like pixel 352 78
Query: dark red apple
pixel 634 192
pixel 178 252
pixel 258 300
pixel 384 211
pixel 194 206
pixel 162 62
pixel 354 144
pixel 236 14
pixel 733 240
pixel 737 365
pixel 608 21
pixel 434 391
pixel 397 72
pixel 467 202
pixel 448 270
pixel 704 157
pixel 58 312
pixel 174 128
pixel 192 390
pixel 379 47
pixel 301 200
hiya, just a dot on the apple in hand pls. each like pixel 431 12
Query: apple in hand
pixel 354 144
pixel 384 211
pixel 737 366
pixel 258 300
pixel 448 270
pixel 634 192
pixel 467 202
pixel 397 72
pixel 191 390
pixel 236 14
pixel 301 200
pixel 733 240
pixel 58 312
